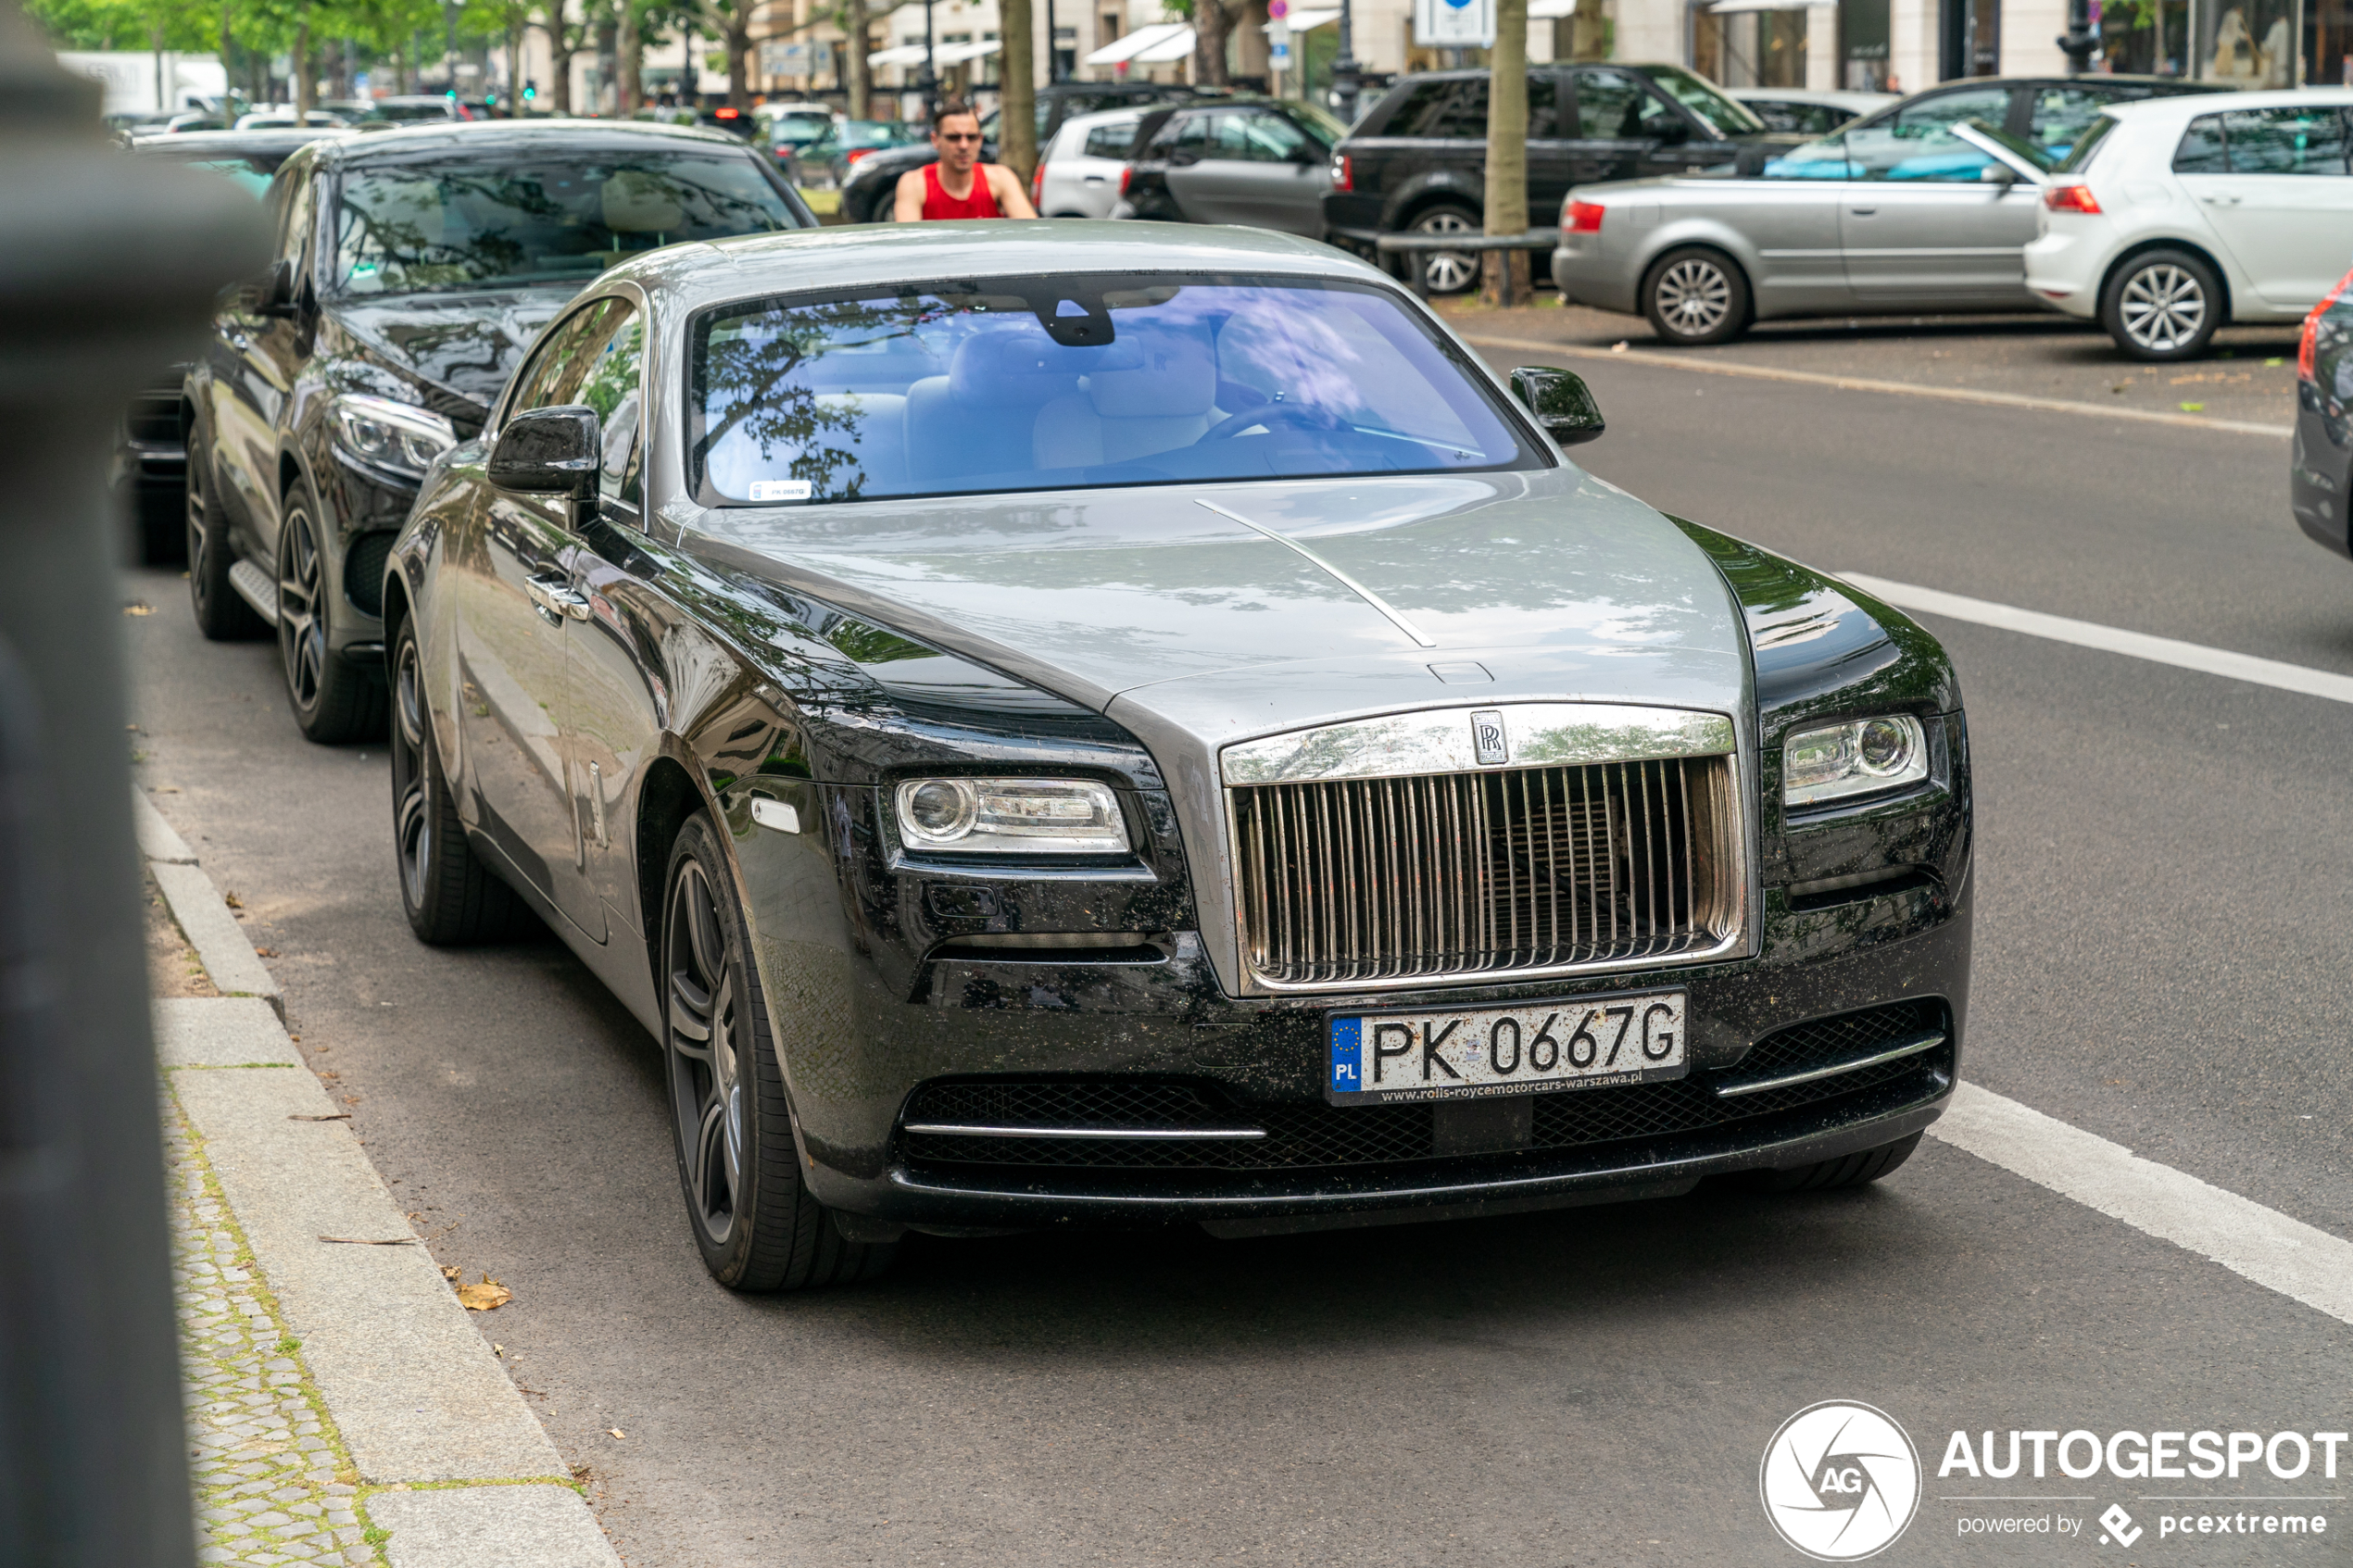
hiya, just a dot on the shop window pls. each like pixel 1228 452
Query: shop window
pixel 2248 42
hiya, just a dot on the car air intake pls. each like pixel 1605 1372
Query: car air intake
pixel 1346 881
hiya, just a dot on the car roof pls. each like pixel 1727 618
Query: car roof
pixel 1837 97
pixel 1094 117
pixel 551 135
pixel 2190 105
pixel 268 139
pixel 746 267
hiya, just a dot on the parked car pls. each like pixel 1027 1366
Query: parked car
pixel 286 120
pixel 1896 212
pixel 1807 112
pixel 2177 216
pixel 1084 743
pixel 2321 461
pixel 818 166
pixel 148 471
pixel 1416 161
pixel 867 193
pixel 407 108
pixel 413 268
pixel 1079 174
pixel 1252 161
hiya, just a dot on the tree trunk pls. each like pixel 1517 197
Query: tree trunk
pixel 1504 273
pixel 558 56
pixel 1210 26
pixel 299 61
pixel 514 63
pixel 857 76
pixel 1016 90
pixel 630 64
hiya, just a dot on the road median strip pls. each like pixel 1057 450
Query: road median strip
pixel 1866 384
pixel 443 1457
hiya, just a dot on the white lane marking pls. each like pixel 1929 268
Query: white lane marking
pixel 2260 1244
pixel 1907 389
pixel 2111 639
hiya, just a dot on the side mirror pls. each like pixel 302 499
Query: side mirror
pixel 1560 401
pixel 550 452
pixel 1998 174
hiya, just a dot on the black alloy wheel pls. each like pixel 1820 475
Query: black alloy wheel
pixel 1695 297
pixel 333 700
pixel 2163 305
pixel 754 1220
pixel 447 892
pixel 1448 271
pixel 222 614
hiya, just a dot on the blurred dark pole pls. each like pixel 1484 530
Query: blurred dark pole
pixel 1345 84
pixel 2077 42
pixel 1053 48
pixel 927 84
pixel 106 277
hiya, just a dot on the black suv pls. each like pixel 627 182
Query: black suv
pixel 414 269
pixel 1417 162
pixel 874 179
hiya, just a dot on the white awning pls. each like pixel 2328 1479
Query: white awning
pixel 956 54
pixel 905 55
pixel 1550 10
pixel 1156 44
pixel 1308 22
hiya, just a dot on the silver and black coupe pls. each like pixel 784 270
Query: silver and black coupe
pixel 1072 722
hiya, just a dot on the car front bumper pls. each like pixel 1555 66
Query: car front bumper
pixel 1078 1027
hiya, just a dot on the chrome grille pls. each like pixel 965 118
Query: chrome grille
pixel 1447 875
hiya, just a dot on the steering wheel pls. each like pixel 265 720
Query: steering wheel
pixel 1272 414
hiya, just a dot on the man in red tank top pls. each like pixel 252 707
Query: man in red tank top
pixel 959 185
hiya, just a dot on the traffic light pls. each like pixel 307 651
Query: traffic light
pixel 530 88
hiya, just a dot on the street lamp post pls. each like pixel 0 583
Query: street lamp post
pixel 927 84
pixel 1053 59
pixel 2077 42
pixel 1344 69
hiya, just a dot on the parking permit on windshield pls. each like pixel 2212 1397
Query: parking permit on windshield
pixel 1590 1043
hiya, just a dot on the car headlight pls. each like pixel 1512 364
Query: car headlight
pixel 399 436
pixel 1861 756
pixel 1011 816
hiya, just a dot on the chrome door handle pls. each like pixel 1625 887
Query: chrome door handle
pixel 557 599
pixel 1862 211
pixel 2222 201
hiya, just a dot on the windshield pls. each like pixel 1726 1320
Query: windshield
pixel 1044 383
pixel 457 223
pixel 1728 116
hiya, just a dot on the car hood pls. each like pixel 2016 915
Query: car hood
pixel 464 345
pixel 1148 605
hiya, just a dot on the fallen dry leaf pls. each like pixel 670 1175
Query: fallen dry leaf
pixel 346 1115
pixel 272 952
pixel 134 608
pixel 368 1241
pixel 617 1432
pixel 230 899
pixel 487 1297
pixel 448 1274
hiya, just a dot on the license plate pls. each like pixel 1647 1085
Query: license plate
pixel 1594 1042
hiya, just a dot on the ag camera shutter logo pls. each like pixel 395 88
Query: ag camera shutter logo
pixel 1840 1481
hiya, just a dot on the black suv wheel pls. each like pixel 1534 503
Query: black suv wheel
pixel 333 700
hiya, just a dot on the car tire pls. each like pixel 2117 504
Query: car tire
pixel 1694 297
pixel 1846 1170
pixel 333 700
pixel 1447 271
pixel 222 614
pixel 754 1220
pixel 449 894
pixel 2163 305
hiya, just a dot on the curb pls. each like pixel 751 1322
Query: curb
pixel 452 1467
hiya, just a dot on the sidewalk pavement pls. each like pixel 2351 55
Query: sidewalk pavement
pixel 342 1407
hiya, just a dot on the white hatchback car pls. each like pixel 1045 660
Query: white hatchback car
pixel 2175 217
pixel 1079 175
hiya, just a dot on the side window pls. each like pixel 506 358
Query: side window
pixel 612 386
pixel 2295 139
pixel 2201 148
pixel 2058 117
pixel 1825 160
pixel 1419 112
pixel 1543 95
pixel 1917 142
pixel 1110 140
pixel 1192 135
pixel 1614 106
pixel 1271 138
pixel 561 359
pixel 1229 137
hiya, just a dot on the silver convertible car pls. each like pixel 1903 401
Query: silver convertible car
pixel 1080 722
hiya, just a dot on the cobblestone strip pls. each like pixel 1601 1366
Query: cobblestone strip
pixel 272 1483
